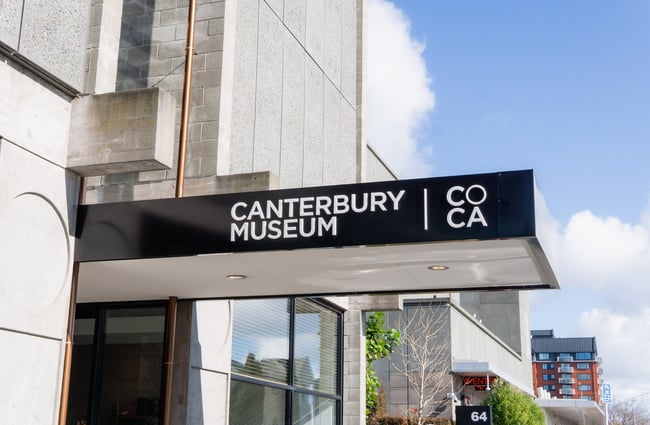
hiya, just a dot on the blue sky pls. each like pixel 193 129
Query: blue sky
pixel 562 87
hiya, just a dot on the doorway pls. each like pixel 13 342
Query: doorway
pixel 117 364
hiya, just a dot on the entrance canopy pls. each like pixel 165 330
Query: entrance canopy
pixel 469 232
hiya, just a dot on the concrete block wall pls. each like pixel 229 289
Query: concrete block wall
pixel 103 46
pixel 152 53
pixel 354 368
pixel 275 89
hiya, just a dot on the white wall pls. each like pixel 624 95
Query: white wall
pixel 37 217
pixel 474 342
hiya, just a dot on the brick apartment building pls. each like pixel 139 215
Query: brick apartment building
pixel 568 368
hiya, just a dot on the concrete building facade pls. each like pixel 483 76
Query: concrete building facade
pixel 466 350
pixel 91 114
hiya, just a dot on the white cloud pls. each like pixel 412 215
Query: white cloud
pixel 603 251
pixel 603 266
pixel 399 98
pixel 622 340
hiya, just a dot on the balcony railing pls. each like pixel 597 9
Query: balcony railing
pixel 565 358
pixel 567 391
pixel 566 381
pixel 565 369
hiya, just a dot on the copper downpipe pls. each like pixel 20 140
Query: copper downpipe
pixel 180 184
pixel 67 357
pixel 185 111
pixel 69 337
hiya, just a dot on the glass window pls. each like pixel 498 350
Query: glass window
pixel 260 343
pixel 316 347
pixel 313 410
pixel 132 367
pixel 117 365
pixel 543 356
pixel 584 376
pixel 584 387
pixel 547 366
pixel 285 363
pixel 256 404
pixel 548 377
pixel 583 356
pixel 582 366
pixel 586 397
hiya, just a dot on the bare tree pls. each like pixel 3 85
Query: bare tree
pixel 633 411
pixel 424 356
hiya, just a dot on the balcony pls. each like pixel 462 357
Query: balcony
pixel 567 391
pixel 565 369
pixel 566 381
pixel 565 358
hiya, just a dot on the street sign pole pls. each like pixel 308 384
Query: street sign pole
pixel 607 398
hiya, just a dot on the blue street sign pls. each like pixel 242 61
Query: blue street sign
pixel 607 393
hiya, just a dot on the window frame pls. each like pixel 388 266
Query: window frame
pixel 290 388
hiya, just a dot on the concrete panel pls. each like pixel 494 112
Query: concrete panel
pixel 333 150
pixel 122 132
pixel 349 51
pixel 376 169
pixel 30 373
pixel 294 18
pixel 277 6
pixel 39 127
pixel 11 11
pixel 60 52
pixel 332 58
pixel 268 108
pixel 242 94
pixel 471 340
pixel 211 335
pixel 348 150
pixel 37 214
pixel 207 398
pixel 315 30
pixel 293 113
pixel 313 162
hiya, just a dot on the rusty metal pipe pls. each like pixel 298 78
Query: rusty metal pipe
pixel 185 111
pixel 69 337
pixel 67 357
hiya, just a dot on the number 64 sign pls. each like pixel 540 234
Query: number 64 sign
pixel 473 415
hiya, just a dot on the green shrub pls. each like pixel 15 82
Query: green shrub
pixel 512 407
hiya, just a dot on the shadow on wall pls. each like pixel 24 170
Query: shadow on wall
pixel 135 44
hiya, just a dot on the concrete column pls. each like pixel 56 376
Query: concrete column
pixel 103 46
pixel 354 369
pixel 202 358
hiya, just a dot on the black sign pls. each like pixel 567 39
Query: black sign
pixel 473 415
pixel 482 206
